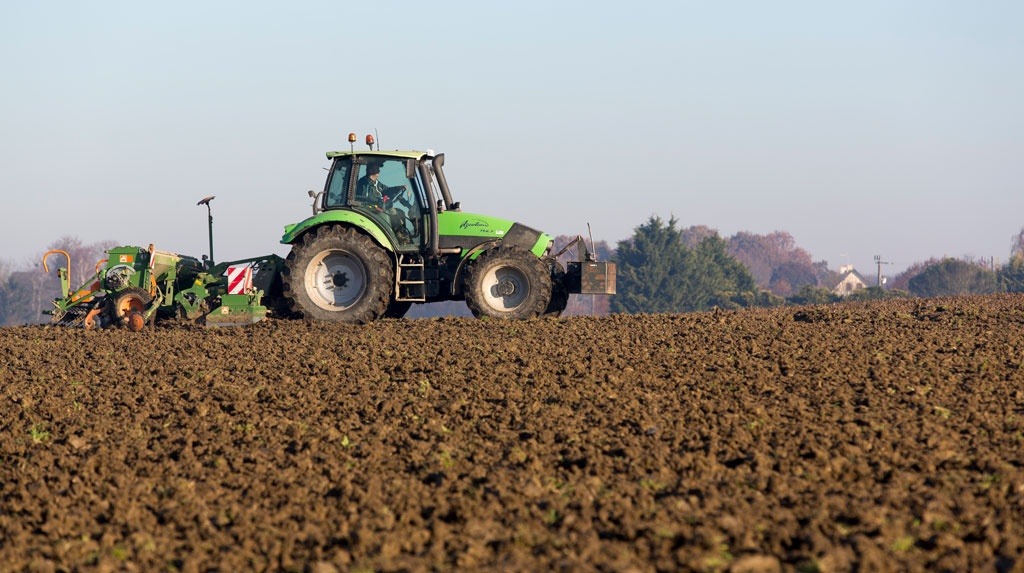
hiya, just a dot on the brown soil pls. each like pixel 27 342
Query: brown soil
pixel 855 437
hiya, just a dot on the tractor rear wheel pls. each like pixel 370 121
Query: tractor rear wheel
pixel 337 274
pixel 128 308
pixel 507 282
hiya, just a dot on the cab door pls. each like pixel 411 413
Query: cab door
pixel 388 190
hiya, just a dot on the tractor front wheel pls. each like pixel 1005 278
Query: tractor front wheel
pixel 338 274
pixel 509 283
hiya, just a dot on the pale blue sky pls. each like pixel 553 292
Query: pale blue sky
pixel 892 128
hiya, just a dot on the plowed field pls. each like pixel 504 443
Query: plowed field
pixel 872 437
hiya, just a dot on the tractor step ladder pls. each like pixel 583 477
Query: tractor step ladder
pixel 410 280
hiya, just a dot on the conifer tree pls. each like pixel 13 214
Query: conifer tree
pixel 658 273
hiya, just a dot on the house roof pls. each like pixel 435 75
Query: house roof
pixel 850 276
pixel 855 274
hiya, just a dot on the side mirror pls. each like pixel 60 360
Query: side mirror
pixel 316 199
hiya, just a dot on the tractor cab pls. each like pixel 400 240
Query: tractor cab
pixel 388 189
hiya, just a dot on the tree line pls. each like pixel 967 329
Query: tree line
pixel 662 267
pixel 665 268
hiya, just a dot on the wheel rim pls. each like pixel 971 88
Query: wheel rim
pixel 505 288
pixel 336 280
pixel 129 304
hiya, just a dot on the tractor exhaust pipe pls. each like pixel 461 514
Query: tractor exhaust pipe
pixel 209 213
pixel 438 164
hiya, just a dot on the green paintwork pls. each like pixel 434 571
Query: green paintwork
pixel 542 244
pixel 168 271
pixel 450 223
pixel 237 310
pixel 459 223
pixel 347 216
pixel 190 300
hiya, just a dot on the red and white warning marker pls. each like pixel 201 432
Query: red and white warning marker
pixel 239 279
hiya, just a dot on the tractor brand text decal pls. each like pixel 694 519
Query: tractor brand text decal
pixel 471 223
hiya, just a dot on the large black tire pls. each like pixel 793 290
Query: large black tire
pixel 508 283
pixel 559 291
pixel 338 274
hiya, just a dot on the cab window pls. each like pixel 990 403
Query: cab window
pixel 337 183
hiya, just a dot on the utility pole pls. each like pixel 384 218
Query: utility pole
pixel 880 262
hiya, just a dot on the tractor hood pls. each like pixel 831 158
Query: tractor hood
pixel 467 230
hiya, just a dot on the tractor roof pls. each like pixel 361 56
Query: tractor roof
pixel 394 153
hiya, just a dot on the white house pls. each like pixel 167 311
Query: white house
pixel 850 281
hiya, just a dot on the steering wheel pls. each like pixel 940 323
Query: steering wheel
pixel 400 192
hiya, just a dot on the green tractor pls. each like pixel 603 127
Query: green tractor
pixel 386 234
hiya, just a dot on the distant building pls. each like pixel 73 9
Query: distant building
pixel 850 281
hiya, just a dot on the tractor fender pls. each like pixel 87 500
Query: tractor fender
pixel 354 219
pixel 470 255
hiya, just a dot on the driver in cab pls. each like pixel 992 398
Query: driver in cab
pixel 372 192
